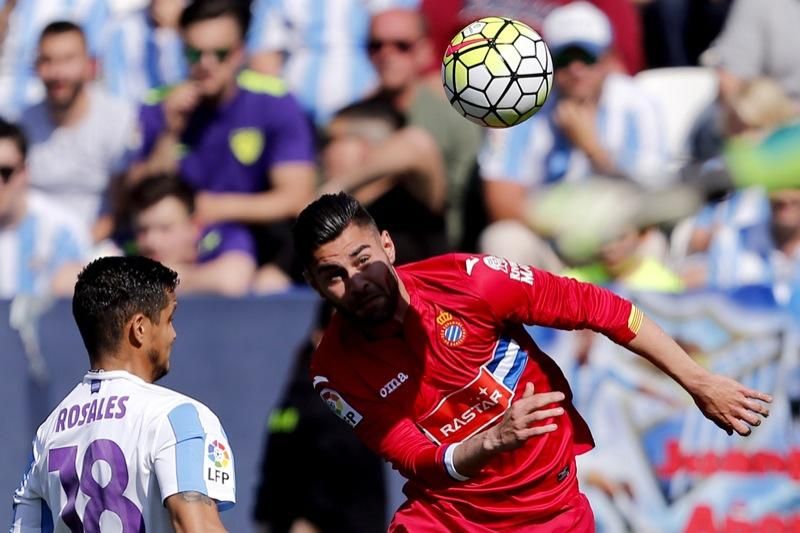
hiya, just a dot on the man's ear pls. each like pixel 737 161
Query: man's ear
pixel 310 280
pixel 388 246
pixel 137 328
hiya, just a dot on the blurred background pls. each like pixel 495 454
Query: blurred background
pixel 665 165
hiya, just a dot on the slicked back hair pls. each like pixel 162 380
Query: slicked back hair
pixel 110 290
pixel 323 220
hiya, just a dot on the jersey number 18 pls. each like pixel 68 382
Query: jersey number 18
pixel 107 498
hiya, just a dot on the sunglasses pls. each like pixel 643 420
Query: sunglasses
pixel 6 172
pixel 376 45
pixel 194 55
pixel 565 58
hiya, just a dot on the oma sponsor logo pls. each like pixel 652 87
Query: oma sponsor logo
pixel 393 384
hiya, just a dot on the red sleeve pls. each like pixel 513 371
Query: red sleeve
pixel 387 432
pixel 523 294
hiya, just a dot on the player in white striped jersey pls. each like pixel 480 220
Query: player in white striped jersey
pixel 120 453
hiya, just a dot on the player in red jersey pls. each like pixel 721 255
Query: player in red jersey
pixel 431 366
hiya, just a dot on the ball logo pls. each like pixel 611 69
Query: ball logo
pixel 218 454
pixel 451 329
pixel 453 48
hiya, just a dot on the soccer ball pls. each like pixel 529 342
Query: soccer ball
pixel 497 72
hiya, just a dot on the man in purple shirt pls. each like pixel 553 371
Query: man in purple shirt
pixel 235 136
pixel 219 258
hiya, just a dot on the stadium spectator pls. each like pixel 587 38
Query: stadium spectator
pixel 762 250
pixel 128 427
pixel 757 42
pixel 596 122
pixel 400 51
pixel 25 20
pixel 409 205
pixel 404 363
pixel 319 49
pixel 316 475
pixel 760 144
pixel 80 137
pixel 237 138
pixel 142 50
pixel 42 245
pixel 217 259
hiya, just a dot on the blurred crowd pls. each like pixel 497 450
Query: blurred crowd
pixel 194 132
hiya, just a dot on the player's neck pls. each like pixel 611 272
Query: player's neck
pixel 122 361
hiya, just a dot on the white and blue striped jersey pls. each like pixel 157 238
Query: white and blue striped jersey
pixel 33 251
pixel 326 65
pixel 137 56
pixel 19 85
pixel 537 153
pixel 113 451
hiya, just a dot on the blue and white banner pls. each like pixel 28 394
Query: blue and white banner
pixel 659 465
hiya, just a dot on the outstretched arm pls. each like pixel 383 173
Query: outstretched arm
pixel 192 511
pixel 724 401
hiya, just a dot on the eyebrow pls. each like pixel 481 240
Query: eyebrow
pixel 358 250
pixel 334 266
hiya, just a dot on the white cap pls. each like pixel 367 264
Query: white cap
pixel 578 24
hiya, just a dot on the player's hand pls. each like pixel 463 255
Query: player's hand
pixel 178 105
pixel 731 405
pixel 523 420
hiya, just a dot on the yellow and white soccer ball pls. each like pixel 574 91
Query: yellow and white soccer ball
pixel 497 72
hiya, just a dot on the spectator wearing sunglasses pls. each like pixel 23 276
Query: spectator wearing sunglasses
pixel 80 136
pixel 400 51
pixel 236 137
pixel 596 121
pixel 319 48
pixel 42 245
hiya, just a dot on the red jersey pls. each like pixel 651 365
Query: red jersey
pixel 459 361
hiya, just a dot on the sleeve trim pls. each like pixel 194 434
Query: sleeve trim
pixel 450 465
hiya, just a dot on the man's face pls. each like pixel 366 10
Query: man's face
pixel 13 178
pixel 579 75
pixel 64 67
pixel 397 48
pixel 354 272
pixel 166 232
pixel 785 206
pixel 214 53
pixel 160 339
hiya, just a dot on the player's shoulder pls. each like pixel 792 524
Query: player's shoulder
pixel 167 402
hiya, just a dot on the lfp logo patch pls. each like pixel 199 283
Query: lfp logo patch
pixel 218 454
pixel 451 329
pixel 340 407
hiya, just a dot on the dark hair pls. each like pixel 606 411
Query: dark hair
pixel 323 220
pixel 110 290
pixel 12 132
pixel 60 27
pixel 376 108
pixel 201 10
pixel 153 189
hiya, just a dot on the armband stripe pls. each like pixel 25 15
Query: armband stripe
pixel 635 320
